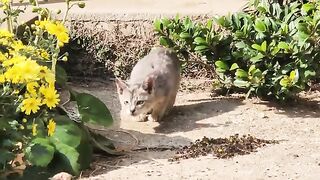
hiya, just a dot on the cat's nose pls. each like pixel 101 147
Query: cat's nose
pixel 132 111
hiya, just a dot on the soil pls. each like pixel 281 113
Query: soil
pixel 295 126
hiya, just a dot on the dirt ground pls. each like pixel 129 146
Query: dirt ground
pixel 197 114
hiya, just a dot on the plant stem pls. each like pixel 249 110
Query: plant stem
pixel 67 11
pixel 55 58
pixel 9 18
pixel 39 18
pixel 37 5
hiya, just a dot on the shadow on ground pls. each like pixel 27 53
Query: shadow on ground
pixel 300 108
pixel 185 118
pixel 150 148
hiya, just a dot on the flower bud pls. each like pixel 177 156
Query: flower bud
pixel 81 4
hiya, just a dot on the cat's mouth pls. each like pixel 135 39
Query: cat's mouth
pixel 133 114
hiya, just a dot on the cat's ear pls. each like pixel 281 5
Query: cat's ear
pixel 147 84
pixel 121 85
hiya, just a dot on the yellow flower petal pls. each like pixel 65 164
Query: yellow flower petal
pixel 51 127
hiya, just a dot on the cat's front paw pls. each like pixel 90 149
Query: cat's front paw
pixel 143 118
pixel 153 119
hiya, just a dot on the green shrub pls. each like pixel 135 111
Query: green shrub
pixel 272 51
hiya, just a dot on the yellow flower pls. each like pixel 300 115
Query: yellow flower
pixel 50 27
pixel 30 70
pixel 17 45
pixel 14 60
pixel 46 74
pixel 31 88
pixel 42 24
pixel 51 127
pixel 60 28
pixel 2 78
pixel 13 75
pixel 30 104
pixel 3 57
pixel 43 53
pixel 34 129
pixel 51 98
pixel 5 33
pixel 56 29
pixel 62 38
pixel 22 70
pixel 5 1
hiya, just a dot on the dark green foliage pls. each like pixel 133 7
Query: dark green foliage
pixel 272 51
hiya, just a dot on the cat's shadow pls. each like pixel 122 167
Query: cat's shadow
pixel 188 117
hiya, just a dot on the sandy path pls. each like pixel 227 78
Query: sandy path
pixel 297 156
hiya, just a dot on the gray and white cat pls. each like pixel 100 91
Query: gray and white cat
pixel 151 90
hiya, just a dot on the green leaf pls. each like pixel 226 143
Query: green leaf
pixel 221 21
pixel 165 41
pixel 275 51
pixel 85 148
pixel 61 75
pixel 209 24
pixel 286 68
pixel 257 58
pixel 73 94
pixel 104 144
pixel 177 18
pixel 251 68
pixel 307 7
pixel 241 73
pixel 221 65
pixel 283 45
pixel 309 73
pixel 260 26
pixel 294 76
pixel 256 73
pixel 303 36
pixel 4 123
pixel 165 21
pixel 200 40
pixel 234 66
pixel 66 132
pixel 256 46
pixel 264 46
pixel 201 48
pixel 187 23
pixel 285 81
pixel 5 157
pixel 68 158
pixel 158 25
pixel 241 83
pixel 303 27
pixel 41 152
pixel 240 45
pixel 92 110
pixel 185 35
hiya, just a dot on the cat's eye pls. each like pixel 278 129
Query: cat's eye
pixel 140 102
pixel 126 102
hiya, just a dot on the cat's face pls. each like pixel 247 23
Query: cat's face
pixel 135 100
